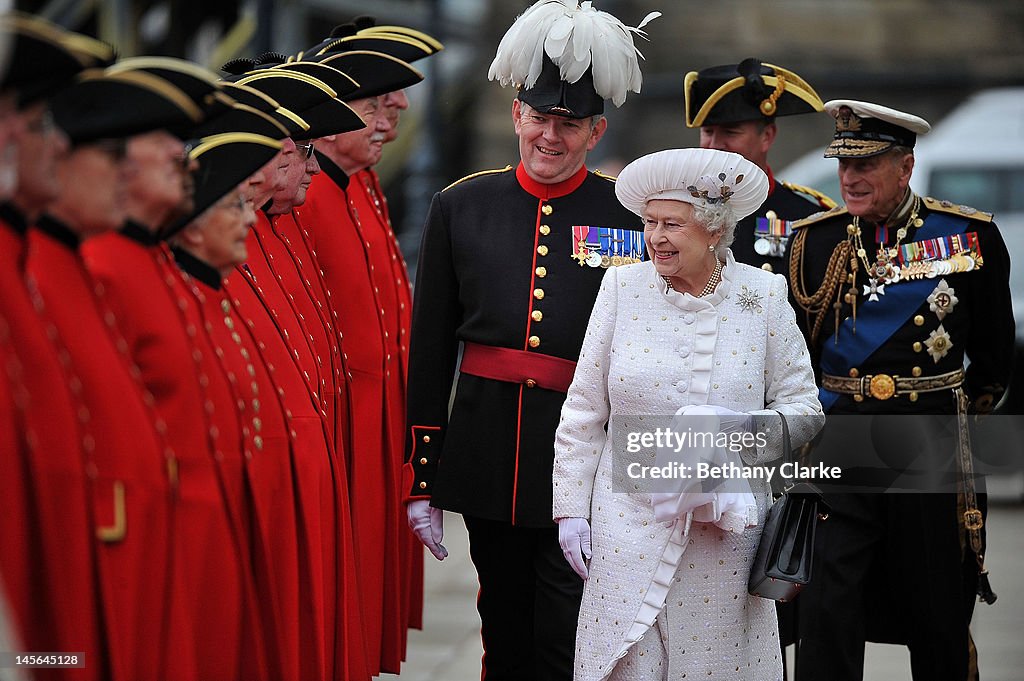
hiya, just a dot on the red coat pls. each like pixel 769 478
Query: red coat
pixel 266 447
pixel 391 279
pixel 134 491
pixel 46 526
pixel 284 270
pixel 320 502
pixel 211 551
pixel 373 479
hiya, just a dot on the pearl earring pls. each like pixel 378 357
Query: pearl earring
pixel 711 248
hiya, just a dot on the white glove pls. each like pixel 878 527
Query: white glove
pixel 729 421
pixel 427 523
pixel 574 538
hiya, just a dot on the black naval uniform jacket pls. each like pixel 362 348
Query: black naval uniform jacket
pixel 980 324
pixel 789 202
pixel 496 268
pixel 918 556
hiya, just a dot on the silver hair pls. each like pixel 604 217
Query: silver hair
pixel 717 218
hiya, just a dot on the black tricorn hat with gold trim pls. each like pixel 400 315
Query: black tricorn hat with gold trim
pixel 225 161
pixel 376 72
pixel 748 91
pixel 348 37
pixel 43 58
pixel 112 105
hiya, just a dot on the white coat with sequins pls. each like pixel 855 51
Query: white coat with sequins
pixel 648 351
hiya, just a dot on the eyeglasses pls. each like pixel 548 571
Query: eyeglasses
pixel 305 149
pixel 185 159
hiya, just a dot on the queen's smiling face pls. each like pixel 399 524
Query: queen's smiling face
pixel 677 244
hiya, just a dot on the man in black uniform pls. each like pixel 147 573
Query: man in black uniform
pixel 735 107
pixel 898 289
pixel 510 264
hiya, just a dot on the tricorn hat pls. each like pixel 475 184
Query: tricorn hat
pixel 224 160
pixel 566 58
pixel 122 104
pixel 695 176
pixel 748 91
pixel 44 57
pixel 864 129
pixel 376 72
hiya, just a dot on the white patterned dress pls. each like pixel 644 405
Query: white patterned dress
pixel 669 600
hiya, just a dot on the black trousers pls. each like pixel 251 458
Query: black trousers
pixel 529 601
pixel 888 568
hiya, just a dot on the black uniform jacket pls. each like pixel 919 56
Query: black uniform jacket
pixel 496 268
pixel 979 324
pixel 788 202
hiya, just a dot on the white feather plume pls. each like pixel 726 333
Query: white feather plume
pixel 576 37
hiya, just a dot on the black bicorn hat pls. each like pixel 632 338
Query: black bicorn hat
pixel 121 104
pixel 44 58
pixel 224 161
pixel 748 91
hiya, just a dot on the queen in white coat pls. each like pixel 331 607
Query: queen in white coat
pixel 666 593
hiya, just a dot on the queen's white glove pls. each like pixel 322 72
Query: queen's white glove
pixel 574 538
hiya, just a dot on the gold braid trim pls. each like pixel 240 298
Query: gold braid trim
pixel 817 304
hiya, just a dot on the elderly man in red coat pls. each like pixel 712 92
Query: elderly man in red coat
pixel 46 523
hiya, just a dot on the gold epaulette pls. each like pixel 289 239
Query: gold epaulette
pixel 956 209
pixel 604 176
pixel 824 200
pixel 819 216
pixel 482 172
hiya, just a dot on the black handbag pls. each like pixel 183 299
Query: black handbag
pixel 782 565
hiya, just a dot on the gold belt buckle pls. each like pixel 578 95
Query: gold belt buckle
pixel 882 386
pixel 973 520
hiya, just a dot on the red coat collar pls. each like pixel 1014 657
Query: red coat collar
pixel 546 192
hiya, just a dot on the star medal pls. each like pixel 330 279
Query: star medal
pixel 942 300
pixel 938 343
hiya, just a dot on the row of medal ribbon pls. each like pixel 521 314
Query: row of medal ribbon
pixel 607 246
pixel 938 257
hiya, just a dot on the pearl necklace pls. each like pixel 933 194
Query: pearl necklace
pixel 709 288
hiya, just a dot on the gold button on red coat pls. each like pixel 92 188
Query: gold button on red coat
pixel 530 383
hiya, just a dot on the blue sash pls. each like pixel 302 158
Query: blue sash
pixel 879 319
